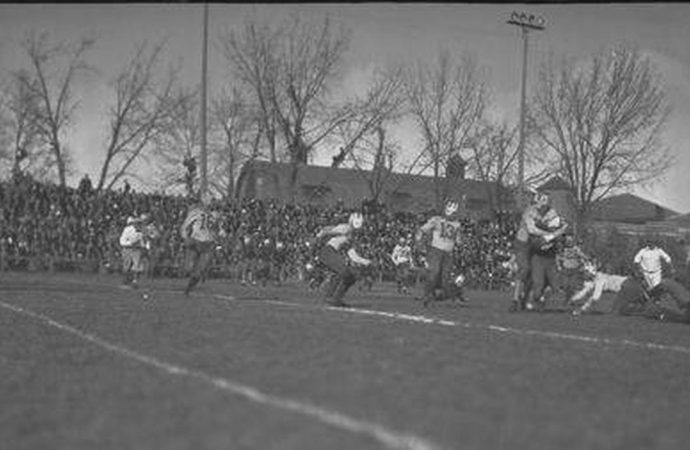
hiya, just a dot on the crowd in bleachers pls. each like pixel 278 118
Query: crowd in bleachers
pixel 43 224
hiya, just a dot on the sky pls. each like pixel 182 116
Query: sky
pixel 381 33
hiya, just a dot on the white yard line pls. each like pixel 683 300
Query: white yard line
pixel 450 323
pixel 391 439
pixel 488 327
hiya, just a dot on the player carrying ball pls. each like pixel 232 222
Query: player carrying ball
pixel 199 233
pixel 445 234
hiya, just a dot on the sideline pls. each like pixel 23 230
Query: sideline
pixel 390 439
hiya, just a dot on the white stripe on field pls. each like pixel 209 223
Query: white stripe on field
pixel 390 439
pixel 496 328
pixel 450 323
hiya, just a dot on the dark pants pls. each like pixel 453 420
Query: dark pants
pixel 438 273
pixel 344 277
pixel 571 281
pixel 198 260
pixel 543 268
pixel 523 276
pixel 402 276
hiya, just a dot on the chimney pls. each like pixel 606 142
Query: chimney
pixel 455 168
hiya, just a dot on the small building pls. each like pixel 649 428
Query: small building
pixel 319 185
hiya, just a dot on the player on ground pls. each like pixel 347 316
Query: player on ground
pixel 199 233
pixel 331 256
pixel 445 234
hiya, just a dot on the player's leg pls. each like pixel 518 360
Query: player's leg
pixel 336 263
pixel 195 270
pixel 522 275
pixel 433 275
pixel 127 262
pixel 538 284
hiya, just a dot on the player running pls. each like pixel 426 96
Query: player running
pixel 331 256
pixel 445 234
pixel 199 233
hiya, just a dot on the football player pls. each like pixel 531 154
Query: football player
pixel 527 233
pixel 402 259
pixel 330 255
pixel 199 233
pixel 543 255
pixel 445 233
pixel 132 243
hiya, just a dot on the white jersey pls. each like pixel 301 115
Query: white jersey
pixel 444 232
pixel 650 261
pixel 402 254
pixel 198 225
pixel 342 234
pixel 131 237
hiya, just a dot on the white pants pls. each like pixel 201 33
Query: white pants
pixel 652 278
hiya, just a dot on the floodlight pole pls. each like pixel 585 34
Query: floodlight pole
pixel 526 22
pixel 203 185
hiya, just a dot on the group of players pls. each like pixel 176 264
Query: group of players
pixel 543 247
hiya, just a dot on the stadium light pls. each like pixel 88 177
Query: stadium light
pixel 526 22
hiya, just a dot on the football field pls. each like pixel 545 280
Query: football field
pixel 85 364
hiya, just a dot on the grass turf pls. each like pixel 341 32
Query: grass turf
pixel 484 379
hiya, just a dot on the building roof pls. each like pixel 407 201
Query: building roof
pixel 629 208
pixel 555 183
pixel 290 182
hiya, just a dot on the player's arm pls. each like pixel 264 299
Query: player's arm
pixel 426 228
pixel 331 230
pixel 531 225
pixel 356 258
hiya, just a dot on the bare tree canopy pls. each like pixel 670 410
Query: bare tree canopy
pixel 602 121
pixel 53 71
pixel 19 144
pixel 142 106
pixel 178 138
pixel 381 104
pixel 447 101
pixel 290 70
pixel 234 131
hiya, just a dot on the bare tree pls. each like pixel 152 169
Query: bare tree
pixel 252 53
pixel 18 128
pixel 602 121
pixel 179 139
pixel 290 71
pixel 234 121
pixel 54 70
pixel 447 101
pixel 143 104
pixel 382 103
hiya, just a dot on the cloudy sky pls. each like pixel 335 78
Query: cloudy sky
pixel 382 32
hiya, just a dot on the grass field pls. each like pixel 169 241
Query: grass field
pixel 87 365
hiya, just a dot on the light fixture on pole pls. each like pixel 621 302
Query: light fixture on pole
pixel 526 22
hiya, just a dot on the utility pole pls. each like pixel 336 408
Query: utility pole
pixel 526 22
pixel 203 186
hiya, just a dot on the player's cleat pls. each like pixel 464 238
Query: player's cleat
pixel 529 306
